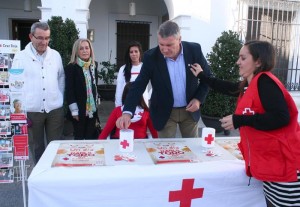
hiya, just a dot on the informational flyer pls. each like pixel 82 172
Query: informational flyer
pixel 4 95
pixel 79 154
pixel 231 145
pixel 17 107
pixel 5 128
pixel 16 79
pixel 4 112
pixel 3 77
pixel 170 152
pixel 6 160
pixel 6 175
pixel 5 144
pixel 21 147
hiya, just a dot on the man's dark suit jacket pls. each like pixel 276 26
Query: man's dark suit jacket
pixel 155 69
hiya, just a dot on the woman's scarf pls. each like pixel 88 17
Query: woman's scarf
pixel 90 101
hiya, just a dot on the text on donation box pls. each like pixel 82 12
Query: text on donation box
pixel 126 140
pixel 208 137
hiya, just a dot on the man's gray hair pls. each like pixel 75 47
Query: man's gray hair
pixel 168 29
pixel 40 25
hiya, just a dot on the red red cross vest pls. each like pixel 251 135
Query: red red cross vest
pixel 272 155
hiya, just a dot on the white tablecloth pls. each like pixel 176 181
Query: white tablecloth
pixel 142 183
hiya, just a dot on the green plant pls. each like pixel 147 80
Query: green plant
pixel 63 36
pixel 223 65
pixel 107 72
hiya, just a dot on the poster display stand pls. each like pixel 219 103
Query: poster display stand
pixel 13 122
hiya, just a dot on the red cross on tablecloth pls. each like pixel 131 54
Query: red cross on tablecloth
pixel 186 194
pixel 248 111
pixel 124 144
pixel 209 139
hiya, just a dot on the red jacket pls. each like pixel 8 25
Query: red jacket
pixel 139 126
pixel 269 155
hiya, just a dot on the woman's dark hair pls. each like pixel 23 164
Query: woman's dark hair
pixel 265 53
pixel 128 62
pixel 125 92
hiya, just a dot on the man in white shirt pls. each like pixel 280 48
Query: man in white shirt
pixel 43 88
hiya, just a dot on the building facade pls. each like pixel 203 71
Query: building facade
pixel 106 22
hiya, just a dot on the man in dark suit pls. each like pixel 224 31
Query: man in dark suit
pixel 176 93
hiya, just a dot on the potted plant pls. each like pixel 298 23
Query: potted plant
pixel 63 36
pixel 223 65
pixel 106 72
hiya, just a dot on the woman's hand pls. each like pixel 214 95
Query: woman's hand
pixel 195 68
pixel 227 122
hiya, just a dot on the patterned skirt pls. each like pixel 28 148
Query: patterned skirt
pixel 283 194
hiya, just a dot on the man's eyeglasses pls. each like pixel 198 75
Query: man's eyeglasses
pixel 42 38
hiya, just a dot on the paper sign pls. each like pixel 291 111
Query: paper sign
pixel 208 137
pixel 126 140
pixel 21 147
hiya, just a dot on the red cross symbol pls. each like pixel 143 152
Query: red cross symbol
pixel 186 194
pixel 248 111
pixel 209 139
pixel 124 144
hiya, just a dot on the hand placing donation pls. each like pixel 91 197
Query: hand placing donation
pixel 124 121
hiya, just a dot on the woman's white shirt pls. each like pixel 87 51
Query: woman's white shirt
pixel 135 71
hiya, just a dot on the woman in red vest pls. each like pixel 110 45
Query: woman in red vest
pixel 266 116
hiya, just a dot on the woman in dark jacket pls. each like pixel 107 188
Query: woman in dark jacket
pixel 81 90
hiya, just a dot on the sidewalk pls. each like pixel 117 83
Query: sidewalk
pixel 11 195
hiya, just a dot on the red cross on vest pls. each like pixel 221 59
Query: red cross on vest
pixel 248 111
pixel 124 144
pixel 186 194
pixel 209 139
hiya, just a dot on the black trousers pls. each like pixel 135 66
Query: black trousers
pixel 84 128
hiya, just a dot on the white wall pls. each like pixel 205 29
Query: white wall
pixel 207 20
pixel 104 13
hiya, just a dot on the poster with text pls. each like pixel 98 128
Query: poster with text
pixel 10 46
pixel 79 154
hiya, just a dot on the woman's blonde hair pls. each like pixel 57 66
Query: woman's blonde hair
pixel 76 47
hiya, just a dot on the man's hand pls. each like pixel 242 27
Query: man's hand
pixel 76 117
pixel 193 106
pixel 124 121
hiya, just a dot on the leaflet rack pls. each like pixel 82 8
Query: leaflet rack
pixel 21 174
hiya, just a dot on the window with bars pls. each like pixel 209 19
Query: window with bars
pixel 128 31
pixel 273 26
pixel 275 21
